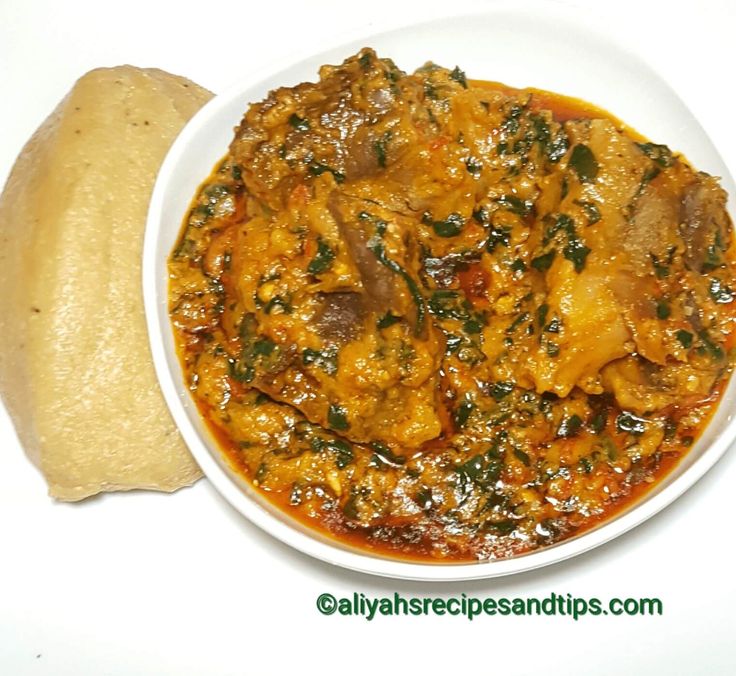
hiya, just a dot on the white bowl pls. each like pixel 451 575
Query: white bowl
pixel 529 45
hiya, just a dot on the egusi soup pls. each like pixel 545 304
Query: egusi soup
pixel 449 320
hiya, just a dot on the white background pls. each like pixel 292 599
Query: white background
pixel 145 583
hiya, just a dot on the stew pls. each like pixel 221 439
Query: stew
pixel 450 320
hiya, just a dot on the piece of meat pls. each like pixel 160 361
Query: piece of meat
pixel 380 285
pixel 643 387
pixel 703 222
pixel 341 316
pixel 659 224
pixel 593 333
pixel 329 126
pixel 332 280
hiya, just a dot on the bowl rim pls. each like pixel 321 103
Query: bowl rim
pixel 256 508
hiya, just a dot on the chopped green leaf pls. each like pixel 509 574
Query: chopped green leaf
pixel 243 373
pixel 449 304
pixel 452 343
pixel 505 527
pixel 584 163
pixel 424 498
pixel 326 360
pixel 719 292
pixel 712 259
pixel 558 147
pixel 322 260
pixel 524 457
pixel 365 60
pixel 474 166
pixel 647 177
pixel 685 338
pixel 570 427
pixel 553 326
pixel 709 346
pixel 576 252
pixel 660 269
pixel 559 223
pixel 343 452
pixel 383 456
pixel 317 169
pixel 350 508
pixel 510 125
pixel 516 205
pixel 541 130
pixel 450 227
pixel 586 465
pixel 480 216
pixel 543 262
pixel 462 413
pixel 295 497
pixel 380 253
pixel 261 472
pixel 342 449
pixel 459 77
pixel 520 319
pixel 501 389
pixel 518 265
pixel 630 423
pixel 599 420
pixel 337 417
pixel 263 347
pixel 254 348
pixel 379 147
pixel 497 235
pixel 660 154
pixel 278 302
pixel 542 311
pixel 483 471
pixel 663 309
pixel 387 320
pixel 592 213
pixel 299 123
pixel 472 326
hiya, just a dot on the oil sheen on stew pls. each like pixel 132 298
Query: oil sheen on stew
pixel 448 320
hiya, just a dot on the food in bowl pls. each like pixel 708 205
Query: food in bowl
pixel 449 320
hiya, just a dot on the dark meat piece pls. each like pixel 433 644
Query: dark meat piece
pixel 704 222
pixel 341 316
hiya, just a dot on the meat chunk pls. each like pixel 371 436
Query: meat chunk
pixel 593 333
pixel 658 226
pixel 703 222
pixel 341 316
pixel 331 279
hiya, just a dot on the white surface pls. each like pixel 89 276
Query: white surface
pixel 152 584
pixel 495 41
